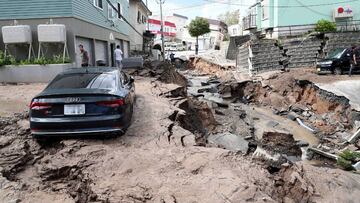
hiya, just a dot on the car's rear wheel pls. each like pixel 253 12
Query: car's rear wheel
pixel 338 71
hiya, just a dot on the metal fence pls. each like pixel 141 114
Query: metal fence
pixel 296 30
pixel 249 22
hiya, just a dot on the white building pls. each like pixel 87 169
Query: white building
pixel 235 30
pixel 212 40
pixel 138 14
pixel 180 22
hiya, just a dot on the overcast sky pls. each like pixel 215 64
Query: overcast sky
pixel 202 8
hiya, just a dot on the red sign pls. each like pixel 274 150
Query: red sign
pixel 340 10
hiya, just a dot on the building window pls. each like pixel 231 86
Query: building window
pixel 111 12
pixel 265 9
pixel 139 17
pixel 119 13
pixel 98 4
pixel 144 19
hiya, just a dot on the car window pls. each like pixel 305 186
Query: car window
pixel 84 81
pixel 336 54
pixel 124 78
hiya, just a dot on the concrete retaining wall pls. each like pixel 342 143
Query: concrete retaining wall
pixel 31 73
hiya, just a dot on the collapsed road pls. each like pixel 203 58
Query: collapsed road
pixel 194 138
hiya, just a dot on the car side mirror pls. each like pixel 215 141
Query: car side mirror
pixel 132 80
pixel 348 55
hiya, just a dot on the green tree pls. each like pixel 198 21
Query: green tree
pixel 198 27
pixel 230 17
pixel 325 26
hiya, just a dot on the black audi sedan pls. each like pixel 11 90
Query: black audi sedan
pixel 84 101
pixel 337 62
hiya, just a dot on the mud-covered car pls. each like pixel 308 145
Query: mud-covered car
pixel 338 62
pixel 84 101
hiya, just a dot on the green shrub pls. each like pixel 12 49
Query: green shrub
pixel 58 59
pixel 347 158
pixel 345 164
pixel 26 62
pixel 10 60
pixel 325 26
pixel 41 61
pixel 6 60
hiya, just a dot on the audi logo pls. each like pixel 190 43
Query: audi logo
pixel 73 99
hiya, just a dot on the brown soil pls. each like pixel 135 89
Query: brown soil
pixel 158 160
pixel 282 143
pixel 207 67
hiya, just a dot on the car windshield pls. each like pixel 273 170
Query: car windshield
pixel 335 54
pixel 84 81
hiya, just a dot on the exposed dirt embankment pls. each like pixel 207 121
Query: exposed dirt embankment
pixel 207 67
pixel 323 110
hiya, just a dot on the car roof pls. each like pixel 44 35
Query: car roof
pixel 90 70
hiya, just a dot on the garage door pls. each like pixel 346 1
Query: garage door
pixel 87 46
pixel 101 51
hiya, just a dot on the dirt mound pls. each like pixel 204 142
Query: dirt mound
pixel 16 146
pixel 282 143
pixel 170 75
pixel 292 185
pixel 197 118
pixel 207 67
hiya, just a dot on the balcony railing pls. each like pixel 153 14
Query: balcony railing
pixel 249 22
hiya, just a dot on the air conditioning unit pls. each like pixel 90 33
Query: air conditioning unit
pixel 52 33
pixel 17 34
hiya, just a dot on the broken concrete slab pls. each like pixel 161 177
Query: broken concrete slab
pixel 292 116
pixel 219 101
pixel 353 138
pixel 302 143
pixel 347 88
pixel 357 166
pixel 230 142
pixel 325 154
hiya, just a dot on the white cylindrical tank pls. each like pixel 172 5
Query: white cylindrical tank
pixel 16 34
pixel 52 33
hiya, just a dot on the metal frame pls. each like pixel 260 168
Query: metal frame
pixel 31 50
pixel 65 50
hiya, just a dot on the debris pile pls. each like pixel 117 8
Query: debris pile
pixel 163 71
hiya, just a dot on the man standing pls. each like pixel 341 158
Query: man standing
pixel 353 62
pixel 118 57
pixel 84 56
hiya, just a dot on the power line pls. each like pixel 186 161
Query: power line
pixel 288 6
pixel 186 7
pixel 312 10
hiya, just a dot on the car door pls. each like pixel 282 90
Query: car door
pixel 345 59
pixel 129 85
pixel 129 99
pixel 357 54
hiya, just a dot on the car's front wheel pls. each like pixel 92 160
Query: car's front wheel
pixel 338 71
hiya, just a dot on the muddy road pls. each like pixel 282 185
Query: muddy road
pixel 162 158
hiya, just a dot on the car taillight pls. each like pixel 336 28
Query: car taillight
pixel 113 103
pixel 39 106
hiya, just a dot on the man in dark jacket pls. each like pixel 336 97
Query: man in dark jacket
pixel 84 56
pixel 353 62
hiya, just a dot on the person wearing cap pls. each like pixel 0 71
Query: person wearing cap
pixel 84 56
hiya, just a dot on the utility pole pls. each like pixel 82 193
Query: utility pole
pixel 161 2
